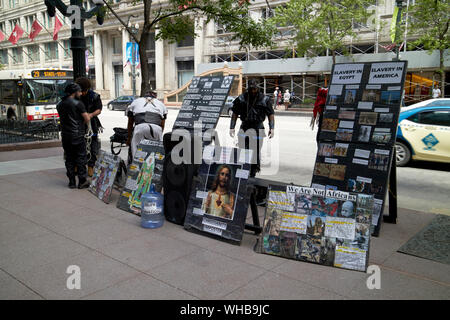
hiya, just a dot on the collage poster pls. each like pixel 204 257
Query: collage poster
pixel 145 169
pixel 105 172
pixel 219 201
pixel 358 130
pixel 331 227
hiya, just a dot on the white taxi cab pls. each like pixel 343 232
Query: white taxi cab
pixel 424 132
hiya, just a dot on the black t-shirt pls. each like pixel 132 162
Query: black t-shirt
pixel 93 102
pixel 72 122
pixel 252 112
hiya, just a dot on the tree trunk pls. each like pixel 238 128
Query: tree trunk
pixel 145 82
pixel 442 71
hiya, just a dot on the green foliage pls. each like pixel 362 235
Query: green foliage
pixel 429 22
pixel 322 24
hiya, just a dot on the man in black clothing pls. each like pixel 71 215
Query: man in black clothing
pixel 253 107
pixel 73 117
pixel 94 106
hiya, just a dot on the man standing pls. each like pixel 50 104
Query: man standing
pixel 146 119
pixel 73 117
pixel 252 107
pixel 94 106
pixel 436 92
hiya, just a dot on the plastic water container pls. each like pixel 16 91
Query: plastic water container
pixel 152 209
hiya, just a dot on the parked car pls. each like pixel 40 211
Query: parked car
pixel 226 110
pixel 120 103
pixel 424 132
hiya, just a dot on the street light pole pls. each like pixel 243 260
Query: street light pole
pixel 77 40
pixel 399 4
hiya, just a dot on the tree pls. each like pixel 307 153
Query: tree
pixel 175 19
pixel 320 25
pixel 429 22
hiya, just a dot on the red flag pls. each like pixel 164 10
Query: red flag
pixel 2 36
pixel 58 26
pixel 35 29
pixel 16 34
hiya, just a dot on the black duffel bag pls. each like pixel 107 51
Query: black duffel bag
pixel 120 135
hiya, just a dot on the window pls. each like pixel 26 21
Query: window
pixel 90 45
pixel 17 55
pixel 33 54
pixel 47 20
pixel 51 51
pixel 67 51
pixel 8 92
pixel 3 28
pixel 117 45
pixel 185 72
pixel 436 117
pixel 29 21
pixel 13 3
pixel 13 23
pixel 186 42
pixel 4 56
pixel 151 42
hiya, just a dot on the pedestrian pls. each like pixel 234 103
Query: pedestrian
pixel 93 104
pixel 318 110
pixel 146 119
pixel 286 99
pixel 252 107
pixel 275 96
pixel 73 118
pixel 436 92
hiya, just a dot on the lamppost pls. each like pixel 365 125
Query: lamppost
pixel 399 5
pixel 134 31
pixel 77 14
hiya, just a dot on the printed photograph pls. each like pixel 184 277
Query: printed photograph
pixel 347 210
pixel 354 185
pixel 142 183
pixel 376 188
pixel 318 207
pixel 330 125
pixel 337 171
pixel 303 203
pixel 381 136
pixel 222 188
pixel 344 134
pixel 378 161
pixel 271 244
pixel 340 150
pixel 386 117
pixel 363 216
pixel 364 133
pixel 331 207
pixel 350 96
pixel 315 226
pixel 362 236
pixel 310 248
pixel 365 201
pixel 272 222
pixel 327 251
pixel 326 149
pixel 322 169
pixel 288 242
pixel 105 171
pixel 332 101
pixel 371 95
pixel 391 97
pixel 347 115
pixel 369 118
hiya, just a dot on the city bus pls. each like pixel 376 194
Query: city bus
pixel 32 94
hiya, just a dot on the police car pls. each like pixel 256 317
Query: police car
pixel 424 132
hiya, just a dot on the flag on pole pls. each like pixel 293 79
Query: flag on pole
pixel 58 26
pixel 16 34
pixel 389 47
pixel 2 36
pixel 393 30
pixel 35 29
pixel 126 63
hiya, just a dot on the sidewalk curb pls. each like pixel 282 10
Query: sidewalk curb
pixel 30 145
pixel 305 113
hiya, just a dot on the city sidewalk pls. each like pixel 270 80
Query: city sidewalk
pixel 45 227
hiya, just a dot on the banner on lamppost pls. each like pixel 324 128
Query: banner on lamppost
pixel 129 52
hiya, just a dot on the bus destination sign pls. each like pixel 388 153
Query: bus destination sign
pixel 51 74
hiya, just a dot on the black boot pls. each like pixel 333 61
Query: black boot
pixel 72 183
pixel 83 183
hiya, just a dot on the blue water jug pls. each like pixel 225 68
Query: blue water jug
pixel 152 209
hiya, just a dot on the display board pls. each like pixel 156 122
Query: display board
pixel 203 102
pixel 359 127
pixel 105 172
pixel 145 169
pixel 326 227
pixel 219 201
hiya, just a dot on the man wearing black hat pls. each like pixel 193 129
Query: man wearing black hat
pixel 146 119
pixel 73 117
pixel 252 107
